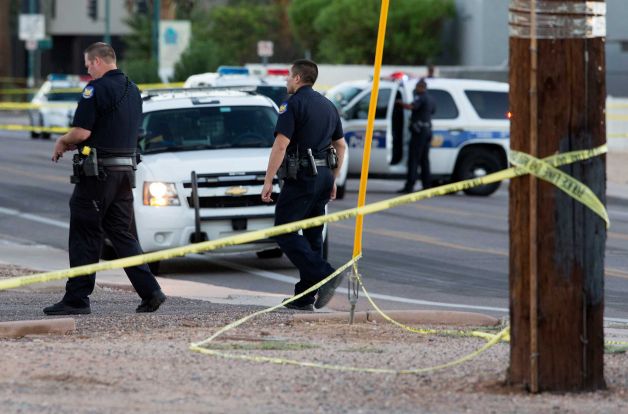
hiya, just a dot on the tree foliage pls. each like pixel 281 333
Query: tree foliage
pixel 138 63
pixel 413 34
pixel 330 31
pixel 302 15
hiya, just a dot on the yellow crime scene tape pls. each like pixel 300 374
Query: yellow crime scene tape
pixel 23 106
pixel 141 86
pixel 203 347
pixel 15 127
pixel 248 237
pixel 556 160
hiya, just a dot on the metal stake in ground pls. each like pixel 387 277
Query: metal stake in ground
pixel 556 244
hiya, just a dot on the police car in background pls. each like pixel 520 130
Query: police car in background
pixel 271 83
pixel 471 127
pixel 58 97
pixel 204 158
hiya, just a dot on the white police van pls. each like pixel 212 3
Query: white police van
pixel 204 158
pixel 271 83
pixel 58 97
pixel 471 127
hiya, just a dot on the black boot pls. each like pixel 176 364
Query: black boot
pixel 62 308
pixel 153 303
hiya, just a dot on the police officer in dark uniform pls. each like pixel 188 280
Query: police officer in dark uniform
pixel 105 130
pixel 423 108
pixel 309 147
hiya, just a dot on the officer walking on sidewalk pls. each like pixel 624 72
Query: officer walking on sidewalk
pixel 423 108
pixel 105 129
pixel 309 147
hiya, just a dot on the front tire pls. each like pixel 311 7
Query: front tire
pixel 270 254
pixel 476 164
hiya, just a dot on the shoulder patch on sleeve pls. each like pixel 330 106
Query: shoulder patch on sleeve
pixel 88 92
pixel 283 107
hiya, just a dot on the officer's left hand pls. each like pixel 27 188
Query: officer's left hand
pixel 267 191
pixel 332 196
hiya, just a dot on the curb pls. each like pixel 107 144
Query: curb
pixel 426 317
pixel 115 286
pixel 18 329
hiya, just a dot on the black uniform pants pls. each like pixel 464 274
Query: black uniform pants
pixel 99 208
pixel 418 156
pixel 299 199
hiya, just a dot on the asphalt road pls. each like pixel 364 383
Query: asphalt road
pixel 441 253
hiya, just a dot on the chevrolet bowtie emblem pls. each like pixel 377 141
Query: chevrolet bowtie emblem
pixel 236 191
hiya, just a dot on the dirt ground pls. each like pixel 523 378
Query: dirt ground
pixel 118 361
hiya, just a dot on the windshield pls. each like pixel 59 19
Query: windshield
pixel 208 128
pixel 63 96
pixel 278 94
pixel 342 95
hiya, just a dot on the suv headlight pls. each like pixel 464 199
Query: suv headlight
pixel 160 194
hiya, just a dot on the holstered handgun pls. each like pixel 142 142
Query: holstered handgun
pixel 85 164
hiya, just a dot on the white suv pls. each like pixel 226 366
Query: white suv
pixel 272 84
pixel 471 127
pixel 58 97
pixel 204 157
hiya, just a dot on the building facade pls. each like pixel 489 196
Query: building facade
pixel 482 33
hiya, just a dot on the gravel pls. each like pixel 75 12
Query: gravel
pixel 119 361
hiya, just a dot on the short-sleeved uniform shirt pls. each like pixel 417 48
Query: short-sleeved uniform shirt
pixel 309 120
pixel 423 107
pixel 111 108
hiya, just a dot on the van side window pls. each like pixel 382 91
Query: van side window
pixel 361 108
pixel 445 106
pixel 488 104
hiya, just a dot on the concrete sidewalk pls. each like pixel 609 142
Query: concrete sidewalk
pixel 45 258
pixel 617 175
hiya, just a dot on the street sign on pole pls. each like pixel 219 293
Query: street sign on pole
pixel 32 27
pixel 264 48
pixel 31 44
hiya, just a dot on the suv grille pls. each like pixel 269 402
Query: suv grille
pixel 221 181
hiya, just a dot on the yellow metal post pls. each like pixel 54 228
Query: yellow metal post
pixel 366 156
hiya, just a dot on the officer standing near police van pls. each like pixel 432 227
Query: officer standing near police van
pixel 104 130
pixel 423 107
pixel 309 147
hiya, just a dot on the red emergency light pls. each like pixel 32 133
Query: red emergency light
pixel 278 72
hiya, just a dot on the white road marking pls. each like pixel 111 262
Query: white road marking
pixel 33 217
pixel 291 280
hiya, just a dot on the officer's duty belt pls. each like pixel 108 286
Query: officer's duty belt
pixel 117 162
pixel 322 162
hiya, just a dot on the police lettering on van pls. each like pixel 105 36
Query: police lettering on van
pixel 471 127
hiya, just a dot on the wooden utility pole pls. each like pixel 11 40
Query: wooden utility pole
pixel 557 99
pixel 5 38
